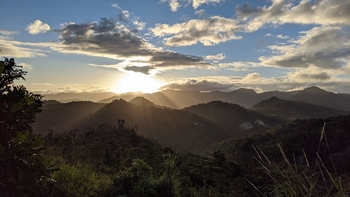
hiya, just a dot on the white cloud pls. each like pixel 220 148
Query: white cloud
pixel 201 13
pixel 219 56
pixel 174 5
pixel 7 33
pixel 237 66
pixel 37 27
pixel 209 32
pixel 197 3
pixel 26 66
pixel 280 36
pixel 139 25
pixel 323 12
pixel 115 5
pixel 324 46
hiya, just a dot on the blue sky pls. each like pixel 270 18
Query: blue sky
pixel 205 45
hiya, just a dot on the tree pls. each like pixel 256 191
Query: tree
pixel 24 170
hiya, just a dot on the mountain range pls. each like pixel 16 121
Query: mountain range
pixel 189 129
pixel 244 97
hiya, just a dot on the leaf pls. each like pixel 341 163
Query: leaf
pixel 21 137
pixel 2 67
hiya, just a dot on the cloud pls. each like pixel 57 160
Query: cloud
pixel 37 27
pixel 175 4
pixel 198 85
pixel 219 56
pixel 294 80
pixel 139 25
pixel 124 15
pixel 209 32
pixel 42 88
pixel 238 66
pixel 7 33
pixel 322 12
pixel 325 47
pixel 201 13
pixel 115 5
pixel 311 74
pixel 11 48
pixel 109 39
pixel 141 69
pixel 26 66
pixel 41 84
pixel 197 3
pixel 280 36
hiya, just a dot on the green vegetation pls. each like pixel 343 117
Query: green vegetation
pixel 24 170
pixel 308 157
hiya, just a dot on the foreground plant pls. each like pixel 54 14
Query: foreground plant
pixel 24 170
pixel 302 180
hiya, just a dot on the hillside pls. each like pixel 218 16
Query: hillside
pixel 141 101
pixel 296 137
pixel 235 120
pixel 61 117
pixel 290 110
pixel 177 129
pixel 321 97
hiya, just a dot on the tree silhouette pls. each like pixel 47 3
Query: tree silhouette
pixel 24 170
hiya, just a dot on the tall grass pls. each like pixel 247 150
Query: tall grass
pixel 80 180
pixel 294 180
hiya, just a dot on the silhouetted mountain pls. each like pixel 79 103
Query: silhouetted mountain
pixel 177 129
pixel 62 117
pixel 318 96
pixel 235 120
pixel 141 101
pixel 291 110
pixel 244 97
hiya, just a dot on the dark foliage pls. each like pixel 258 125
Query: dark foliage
pixel 24 170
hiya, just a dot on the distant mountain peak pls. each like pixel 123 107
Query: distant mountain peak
pixel 141 101
pixel 245 91
pixel 268 103
pixel 275 98
pixel 314 90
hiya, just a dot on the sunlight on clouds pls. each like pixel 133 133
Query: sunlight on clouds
pixel 37 27
pixel 209 32
pixel 137 82
pixel 9 48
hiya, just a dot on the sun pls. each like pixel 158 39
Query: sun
pixel 137 82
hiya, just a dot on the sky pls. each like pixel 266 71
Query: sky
pixel 205 45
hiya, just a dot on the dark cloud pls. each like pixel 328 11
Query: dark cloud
pixel 144 69
pixel 319 76
pixel 246 10
pixel 107 39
